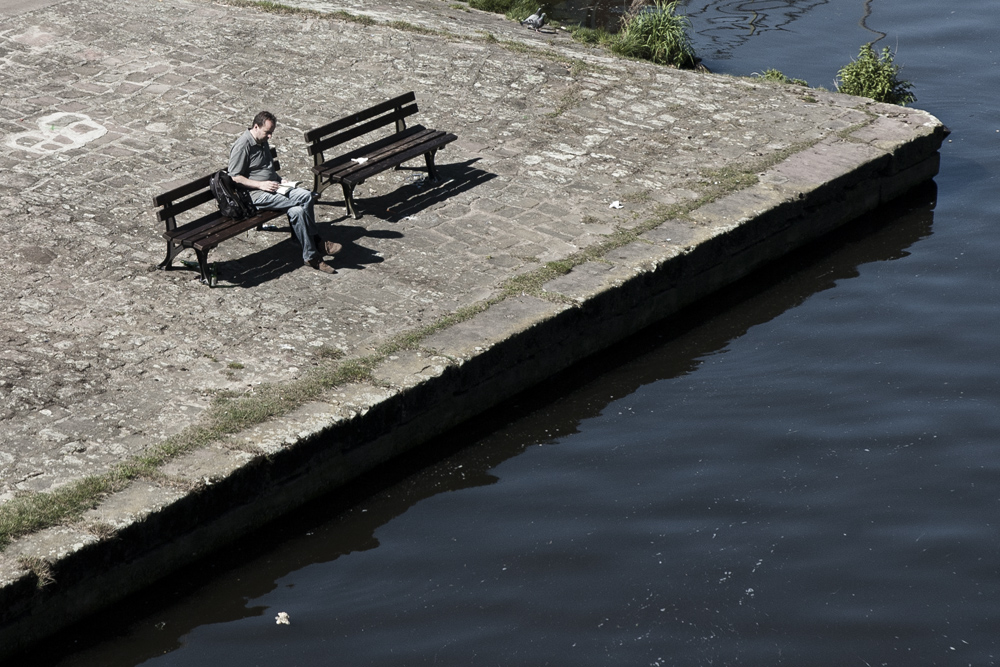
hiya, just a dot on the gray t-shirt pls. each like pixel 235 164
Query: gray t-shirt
pixel 252 159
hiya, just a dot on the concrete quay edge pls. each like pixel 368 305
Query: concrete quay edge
pixel 456 374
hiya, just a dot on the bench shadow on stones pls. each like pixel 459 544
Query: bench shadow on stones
pixel 411 198
pixel 284 256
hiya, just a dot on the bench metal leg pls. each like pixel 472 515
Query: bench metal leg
pixel 431 171
pixel 349 201
pixel 203 265
pixel 318 185
pixel 172 252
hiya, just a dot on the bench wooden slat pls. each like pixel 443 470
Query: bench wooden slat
pixel 172 210
pixel 370 151
pixel 366 170
pixel 188 234
pixel 337 125
pixel 229 229
pixel 360 130
pixel 181 191
pixel 397 153
pixel 194 233
pixel 187 230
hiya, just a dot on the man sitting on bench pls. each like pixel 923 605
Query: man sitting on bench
pixel 251 166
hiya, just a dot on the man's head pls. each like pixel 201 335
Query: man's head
pixel 263 125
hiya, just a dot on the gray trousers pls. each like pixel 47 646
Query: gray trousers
pixel 298 205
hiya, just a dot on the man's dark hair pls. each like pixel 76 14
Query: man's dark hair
pixel 262 118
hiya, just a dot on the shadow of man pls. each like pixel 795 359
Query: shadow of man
pixel 276 260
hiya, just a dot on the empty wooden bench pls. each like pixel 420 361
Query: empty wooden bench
pixel 206 230
pixel 353 167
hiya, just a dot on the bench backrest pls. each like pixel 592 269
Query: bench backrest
pixel 340 131
pixel 188 196
pixel 182 199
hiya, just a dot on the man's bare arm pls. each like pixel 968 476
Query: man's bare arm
pixel 266 186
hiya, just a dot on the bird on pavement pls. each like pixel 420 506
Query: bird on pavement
pixel 536 20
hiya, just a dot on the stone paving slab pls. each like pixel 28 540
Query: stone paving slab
pixel 104 105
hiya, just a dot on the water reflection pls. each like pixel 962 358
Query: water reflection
pixel 730 23
pixel 864 22
pixel 727 20
pixel 720 26
pixel 234 586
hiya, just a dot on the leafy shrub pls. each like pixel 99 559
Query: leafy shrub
pixel 876 77
pixel 776 75
pixel 656 34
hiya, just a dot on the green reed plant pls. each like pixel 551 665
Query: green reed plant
pixel 876 77
pixel 657 34
pixel 777 76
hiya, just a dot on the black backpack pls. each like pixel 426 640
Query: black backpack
pixel 234 201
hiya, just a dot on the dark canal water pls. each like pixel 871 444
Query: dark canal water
pixel 804 472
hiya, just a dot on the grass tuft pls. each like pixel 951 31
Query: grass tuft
pixel 272 7
pixel 331 353
pixel 599 36
pixel 40 567
pixel 411 27
pixel 494 6
pixel 777 76
pixel 33 512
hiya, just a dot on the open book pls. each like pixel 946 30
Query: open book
pixel 286 187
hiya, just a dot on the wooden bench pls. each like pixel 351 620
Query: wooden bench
pixel 352 168
pixel 205 231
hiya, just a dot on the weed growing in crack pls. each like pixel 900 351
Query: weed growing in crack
pixel 778 77
pixel 40 567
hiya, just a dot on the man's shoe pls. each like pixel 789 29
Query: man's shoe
pixel 320 265
pixel 331 248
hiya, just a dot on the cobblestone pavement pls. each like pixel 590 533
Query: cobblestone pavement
pixel 105 104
